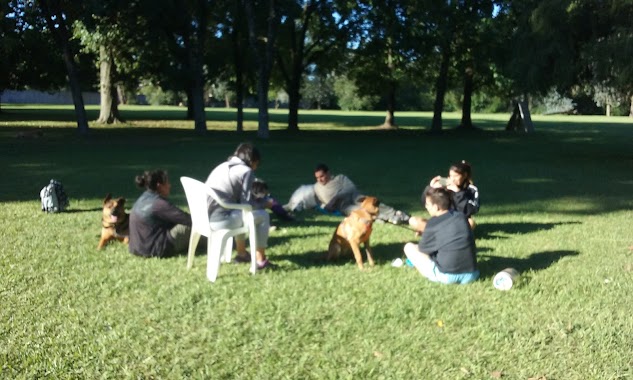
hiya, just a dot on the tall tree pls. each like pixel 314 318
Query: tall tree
pixel 386 51
pixel 25 48
pixel 474 41
pixel 311 33
pixel 115 32
pixel 606 54
pixel 444 28
pixel 177 33
pixel 263 24
pixel 57 18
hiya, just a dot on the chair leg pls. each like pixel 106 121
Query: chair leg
pixel 214 251
pixel 253 245
pixel 227 250
pixel 194 238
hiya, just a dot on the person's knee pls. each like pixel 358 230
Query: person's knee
pixel 411 249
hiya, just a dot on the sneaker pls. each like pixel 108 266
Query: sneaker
pixel 400 218
pixel 265 265
pixel 397 263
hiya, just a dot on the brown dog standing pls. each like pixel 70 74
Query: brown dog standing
pixel 114 222
pixel 354 230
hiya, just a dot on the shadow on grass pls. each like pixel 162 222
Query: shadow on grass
pixel 80 210
pixel 383 254
pixel 491 230
pixel 489 265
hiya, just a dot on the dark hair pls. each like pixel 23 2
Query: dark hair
pixel 247 153
pixel 464 168
pixel 321 168
pixel 151 178
pixel 259 188
pixel 438 196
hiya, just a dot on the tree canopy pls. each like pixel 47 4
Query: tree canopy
pixel 378 54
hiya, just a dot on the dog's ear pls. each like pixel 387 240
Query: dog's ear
pixel 376 202
pixel 121 202
pixel 107 198
pixel 361 199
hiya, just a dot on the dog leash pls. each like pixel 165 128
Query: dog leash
pixel 399 225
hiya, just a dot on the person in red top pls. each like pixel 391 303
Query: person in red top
pixel 157 227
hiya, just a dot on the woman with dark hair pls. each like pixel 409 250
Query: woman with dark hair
pixel 464 193
pixel 157 227
pixel 232 180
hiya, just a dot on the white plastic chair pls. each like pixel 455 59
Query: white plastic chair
pixel 219 242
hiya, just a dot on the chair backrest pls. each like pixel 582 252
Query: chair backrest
pixel 196 193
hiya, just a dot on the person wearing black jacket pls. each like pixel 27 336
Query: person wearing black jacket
pixel 464 193
pixel 157 227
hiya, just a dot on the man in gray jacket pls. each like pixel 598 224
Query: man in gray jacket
pixel 337 194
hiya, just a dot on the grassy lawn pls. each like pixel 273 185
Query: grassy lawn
pixel 556 205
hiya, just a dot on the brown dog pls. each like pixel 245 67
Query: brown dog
pixel 354 230
pixel 114 222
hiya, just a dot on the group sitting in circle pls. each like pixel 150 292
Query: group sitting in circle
pixel 445 253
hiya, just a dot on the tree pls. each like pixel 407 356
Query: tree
pixel 474 40
pixel 606 55
pixel 312 33
pixel 56 19
pixel 96 41
pixel 318 90
pixel 114 32
pixel 386 52
pixel 177 33
pixel 262 31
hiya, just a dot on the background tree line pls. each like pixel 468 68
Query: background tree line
pixel 472 56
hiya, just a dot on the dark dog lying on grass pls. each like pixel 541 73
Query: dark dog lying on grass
pixel 354 230
pixel 114 221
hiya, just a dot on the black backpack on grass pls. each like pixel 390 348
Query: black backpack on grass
pixel 53 197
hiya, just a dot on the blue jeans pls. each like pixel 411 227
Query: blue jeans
pixel 429 269
pixel 234 219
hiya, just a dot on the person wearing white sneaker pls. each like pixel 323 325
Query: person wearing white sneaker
pixel 446 253
pixel 233 181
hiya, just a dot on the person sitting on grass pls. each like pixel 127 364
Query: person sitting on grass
pixel 446 252
pixel 157 227
pixel 338 195
pixel 233 180
pixel 262 195
pixel 464 193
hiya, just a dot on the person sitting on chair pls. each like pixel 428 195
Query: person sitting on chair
pixel 233 180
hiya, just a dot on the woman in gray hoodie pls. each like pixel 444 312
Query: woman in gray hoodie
pixel 232 180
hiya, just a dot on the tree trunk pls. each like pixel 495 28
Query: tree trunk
pixel 297 65
pixel 189 92
pixel 197 91
pixel 238 62
pixel 57 24
pixel 390 118
pixel 631 107
pixel 467 122
pixel 263 60
pixel 440 91
pixel 121 95
pixel 294 98
pixel 108 110
pixel 608 109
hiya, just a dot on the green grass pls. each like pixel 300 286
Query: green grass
pixel 556 205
